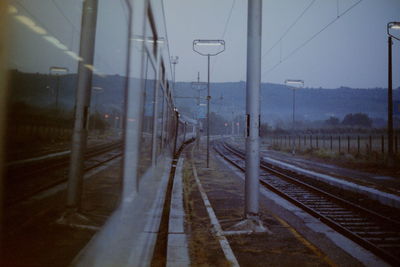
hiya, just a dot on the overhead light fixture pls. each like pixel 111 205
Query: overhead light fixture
pixel 73 55
pixel 209 42
pixel 31 24
pixel 394 25
pixel 58 69
pixel 54 41
pixel 294 82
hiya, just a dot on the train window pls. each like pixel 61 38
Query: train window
pixel 43 57
pixel 109 67
pixel 160 118
pixel 147 119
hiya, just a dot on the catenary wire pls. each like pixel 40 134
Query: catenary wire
pixel 312 37
pixel 225 30
pixel 289 28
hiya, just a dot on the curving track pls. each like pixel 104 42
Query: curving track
pixel 379 234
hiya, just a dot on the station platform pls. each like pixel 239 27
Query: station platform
pixel 204 205
pixel 213 202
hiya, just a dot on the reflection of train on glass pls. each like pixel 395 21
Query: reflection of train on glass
pixel 130 79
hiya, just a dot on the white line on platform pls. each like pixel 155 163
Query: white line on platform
pixel 226 248
pixel 382 197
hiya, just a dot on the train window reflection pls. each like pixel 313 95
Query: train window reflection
pixel 148 119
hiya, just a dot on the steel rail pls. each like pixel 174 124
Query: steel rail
pixel 62 163
pixel 331 210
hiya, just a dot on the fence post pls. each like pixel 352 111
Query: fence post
pixel 316 139
pixel 311 141
pixel 339 145
pixel 331 142
pixel 323 141
pixel 348 144
pixel 370 144
pixel 300 142
pixel 358 144
pixel 383 144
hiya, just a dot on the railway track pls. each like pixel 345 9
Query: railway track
pixel 379 234
pixel 27 180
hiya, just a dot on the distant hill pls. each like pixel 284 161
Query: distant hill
pixel 276 101
pixel 228 99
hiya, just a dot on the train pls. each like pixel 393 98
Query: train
pixel 132 84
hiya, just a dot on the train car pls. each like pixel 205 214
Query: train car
pixel 132 60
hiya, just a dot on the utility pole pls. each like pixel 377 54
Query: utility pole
pixel 253 79
pixel 252 222
pixel 80 131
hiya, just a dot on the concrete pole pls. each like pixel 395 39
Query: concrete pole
pixel 80 131
pixel 253 79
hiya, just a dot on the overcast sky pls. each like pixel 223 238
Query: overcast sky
pixel 352 51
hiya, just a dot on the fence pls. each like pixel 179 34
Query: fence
pixel 354 144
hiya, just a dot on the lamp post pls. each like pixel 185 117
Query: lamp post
pixel 97 90
pixel 198 86
pixel 174 61
pixel 394 26
pixel 220 47
pixel 57 71
pixel 293 84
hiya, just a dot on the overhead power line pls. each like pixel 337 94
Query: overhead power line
pixel 228 19
pixel 312 37
pixel 289 28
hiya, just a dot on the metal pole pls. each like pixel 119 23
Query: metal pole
pixel 57 88
pixel 233 124
pixel 208 112
pixel 79 136
pixel 174 74
pixel 253 78
pixel 198 108
pixel 293 126
pixel 390 102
